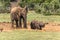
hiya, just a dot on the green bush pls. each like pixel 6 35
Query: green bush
pixel 48 8
pixel 45 7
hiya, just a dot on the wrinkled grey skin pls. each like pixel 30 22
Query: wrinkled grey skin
pixel 37 25
pixel 17 14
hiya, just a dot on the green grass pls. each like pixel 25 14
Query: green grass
pixel 32 16
pixel 29 35
pixel 40 17
pixel 5 17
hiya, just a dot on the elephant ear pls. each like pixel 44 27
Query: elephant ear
pixel 26 8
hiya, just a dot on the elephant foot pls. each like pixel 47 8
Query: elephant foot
pixel 12 27
pixel 25 27
pixel 40 28
pixel 20 27
pixel 17 27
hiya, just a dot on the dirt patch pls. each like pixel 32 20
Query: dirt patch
pixel 49 27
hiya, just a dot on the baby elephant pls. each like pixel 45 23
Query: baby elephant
pixel 37 25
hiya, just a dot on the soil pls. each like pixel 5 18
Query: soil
pixel 6 26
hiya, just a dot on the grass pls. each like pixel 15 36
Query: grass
pixel 32 16
pixel 5 17
pixel 29 35
pixel 40 17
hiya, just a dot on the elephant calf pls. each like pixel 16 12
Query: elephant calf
pixel 37 25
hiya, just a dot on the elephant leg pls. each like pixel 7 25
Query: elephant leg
pixel 20 24
pixel 12 20
pixel 16 23
pixel 40 28
pixel 25 23
pixel 32 26
pixel 12 23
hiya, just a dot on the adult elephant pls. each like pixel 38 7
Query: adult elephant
pixel 17 14
pixel 23 16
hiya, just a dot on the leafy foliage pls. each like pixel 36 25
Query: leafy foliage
pixel 40 6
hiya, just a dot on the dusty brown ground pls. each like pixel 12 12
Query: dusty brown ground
pixel 49 27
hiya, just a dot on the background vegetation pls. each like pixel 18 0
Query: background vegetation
pixel 46 7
